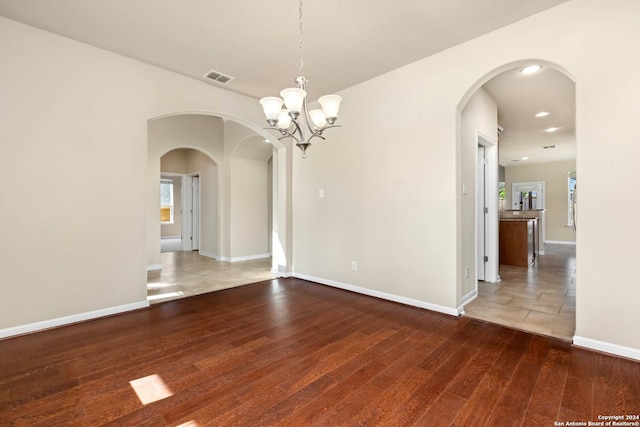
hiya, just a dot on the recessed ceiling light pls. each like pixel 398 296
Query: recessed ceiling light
pixel 525 158
pixel 267 141
pixel 531 69
pixel 551 129
pixel 542 114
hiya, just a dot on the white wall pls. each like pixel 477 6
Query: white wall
pixel 479 115
pixel 79 114
pixel 390 174
pixel 209 224
pixel 555 176
pixel 250 194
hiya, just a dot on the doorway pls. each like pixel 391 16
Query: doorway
pixel 487 258
pixel 536 123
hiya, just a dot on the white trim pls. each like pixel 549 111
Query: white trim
pixel 618 350
pixel 209 255
pixel 244 258
pixel 559 242
pixel 154 267
pixel 169 237
pixel 469 297
pixel 282 275
pixel 61 321
pixel 378 294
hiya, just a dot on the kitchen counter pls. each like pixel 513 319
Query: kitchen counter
pixel 517 241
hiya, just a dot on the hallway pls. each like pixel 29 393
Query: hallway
pixel 539 299
pixel 186 273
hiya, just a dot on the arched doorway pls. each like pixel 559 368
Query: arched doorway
pixel 205 142
pixel 539 297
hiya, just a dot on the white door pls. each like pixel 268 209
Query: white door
pixel 481 210
pixel 195 213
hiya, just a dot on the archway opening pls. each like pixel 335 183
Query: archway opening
pixel 537 295
pixel 198 149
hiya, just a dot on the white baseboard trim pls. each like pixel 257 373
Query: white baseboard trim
pixel 244 258
pixel 209 255
pixel 154 267
pixel 67 320
pixel 605 347
pixel 379 294
pixel 560 242
pixel 170 237
pixel 469 297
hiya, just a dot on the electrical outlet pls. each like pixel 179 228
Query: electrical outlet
pixel 321 192
pixel 354 266
pixel 466 272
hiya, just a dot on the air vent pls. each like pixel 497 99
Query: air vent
pixel 218 77
pixel 546 147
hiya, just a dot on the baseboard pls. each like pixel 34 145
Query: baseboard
pixel 244 258
pixel 170 237
pixel 209 255
pixel 469 297
pixel 61 321
pixel 154 267
pixel 560 242
pixel 378 294
pixel 605 347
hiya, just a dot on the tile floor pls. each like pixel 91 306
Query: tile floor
pixel 187 273
pixel 539 299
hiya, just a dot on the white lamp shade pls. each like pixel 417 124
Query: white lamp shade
pixel 284 120
pixel 293 98
pixel 330 105
pixel 318 118
pixel 271 106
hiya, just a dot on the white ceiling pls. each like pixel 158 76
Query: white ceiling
pixel 520 97
pixel 256 41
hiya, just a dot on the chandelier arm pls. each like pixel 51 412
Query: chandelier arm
pixel 318 133
pixel 285 131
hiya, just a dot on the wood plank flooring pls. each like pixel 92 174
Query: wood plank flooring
pixel 288 352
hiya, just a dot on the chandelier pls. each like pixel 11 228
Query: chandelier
pixel 295 120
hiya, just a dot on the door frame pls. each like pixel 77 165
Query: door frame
pixel 187 210
pixel 492 216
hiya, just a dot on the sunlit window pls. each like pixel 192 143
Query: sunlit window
pixel 166 201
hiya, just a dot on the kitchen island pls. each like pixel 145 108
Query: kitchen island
pixel 517 241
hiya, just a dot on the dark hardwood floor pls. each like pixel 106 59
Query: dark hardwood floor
pixel 291 353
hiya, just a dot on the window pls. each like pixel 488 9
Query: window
pixel 166 201
pixel 571 188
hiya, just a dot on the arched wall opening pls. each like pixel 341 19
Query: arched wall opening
pixel 218 136
pixel 194 215
pixel 473 112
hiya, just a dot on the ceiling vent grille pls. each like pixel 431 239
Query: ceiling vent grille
pixel 546 147
pixel 218 77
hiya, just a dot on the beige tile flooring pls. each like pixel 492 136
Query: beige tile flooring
pixel 187 273
pixel 539 299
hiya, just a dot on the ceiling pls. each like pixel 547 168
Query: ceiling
pixel 257 43
pixel 520 97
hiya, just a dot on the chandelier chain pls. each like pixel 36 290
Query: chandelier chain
pixel 301 60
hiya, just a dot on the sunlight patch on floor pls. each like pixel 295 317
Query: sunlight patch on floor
pixel 150 389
